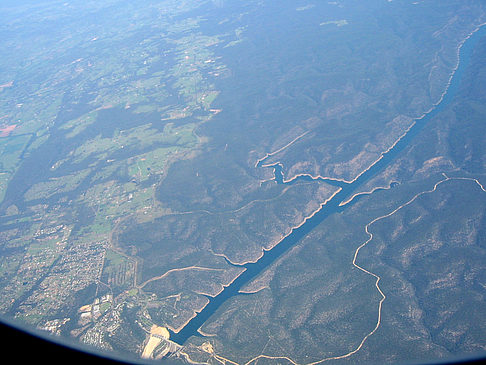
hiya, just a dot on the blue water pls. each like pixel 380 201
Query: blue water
pixel 253 270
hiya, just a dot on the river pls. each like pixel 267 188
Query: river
pixel 332 206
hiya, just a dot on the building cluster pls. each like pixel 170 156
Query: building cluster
pixel 94 310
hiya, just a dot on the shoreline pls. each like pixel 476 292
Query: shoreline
pixel 349 200
pixel 377 277
pixel 291 229
pixel 433 107
pixel 195 312
pixel 299 233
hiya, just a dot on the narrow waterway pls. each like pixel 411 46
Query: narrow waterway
pixel 332 206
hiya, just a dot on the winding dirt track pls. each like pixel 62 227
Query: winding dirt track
pixel 368 272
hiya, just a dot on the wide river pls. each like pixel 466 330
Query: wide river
pixel 254 269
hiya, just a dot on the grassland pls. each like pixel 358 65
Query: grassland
pixel 422 238
pixel 131 172
pixel 90 144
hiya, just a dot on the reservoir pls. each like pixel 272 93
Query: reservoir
pixel 332 206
